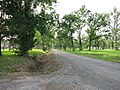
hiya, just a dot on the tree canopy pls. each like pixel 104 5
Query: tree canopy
pixel 26 27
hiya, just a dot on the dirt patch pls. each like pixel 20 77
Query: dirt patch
pixel 43 64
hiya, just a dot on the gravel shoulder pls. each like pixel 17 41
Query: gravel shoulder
pixel 75 73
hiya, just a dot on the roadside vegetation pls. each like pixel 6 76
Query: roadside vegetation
pixel 36 52
pixel 22 28
pixel 107 55
pixel 10 62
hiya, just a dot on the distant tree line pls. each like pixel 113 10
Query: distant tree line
pixel 102 30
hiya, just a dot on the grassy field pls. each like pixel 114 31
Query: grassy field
pixel 107 55
pixel 35 52
pixel 10 62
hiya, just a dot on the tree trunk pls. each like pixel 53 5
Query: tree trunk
pixel 90 43
pixel 72 43
pixel 116 48
pixel 9 46
pixel 112 45
pixel 98 46
pixel 43 45
pixel 0 47
pixel 3 45
pixel 23 53
pixel 59 46
pixel 64 47
pixel 80 42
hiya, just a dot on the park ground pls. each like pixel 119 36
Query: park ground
pixel 107 55
pixel 11 64
pixel 77 73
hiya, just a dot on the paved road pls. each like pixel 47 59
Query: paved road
pixel 78 73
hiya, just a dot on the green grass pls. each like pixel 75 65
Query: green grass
pixel 107 55
pixel 35 52
pixel 10 63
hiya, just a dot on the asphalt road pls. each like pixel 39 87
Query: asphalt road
pixel 77 73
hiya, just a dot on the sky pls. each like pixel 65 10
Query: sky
pixel 67 6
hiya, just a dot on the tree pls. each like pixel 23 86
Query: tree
pixel 4 21
pixel 23 21
pixel 63 38
pixel 46 25
pixel 81 15
pixel 69 24
pixel 115 26
pixel 95 24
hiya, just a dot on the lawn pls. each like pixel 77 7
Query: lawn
pixel 35 52
pixel 107 55
pixel 10 62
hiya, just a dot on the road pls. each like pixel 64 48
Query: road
pixel 77 73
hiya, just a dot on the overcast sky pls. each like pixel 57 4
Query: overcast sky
pixel 68 6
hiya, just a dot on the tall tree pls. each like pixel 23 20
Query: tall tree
pixel 63 37
pixel 81 22
pixel 4 20
pixel 45 26
pixel 23 21
pixel 115 27
pixel 95 23
pixel 69 23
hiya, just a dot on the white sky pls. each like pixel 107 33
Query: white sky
pixel 68 6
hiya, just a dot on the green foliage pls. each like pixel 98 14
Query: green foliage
pixel 46 27
pixel 114 25
pixel 69 25
pixel 23 20
pixel 81 20
pixel 95 24
pixel 20 22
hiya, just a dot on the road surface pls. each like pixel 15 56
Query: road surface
pixel 77 73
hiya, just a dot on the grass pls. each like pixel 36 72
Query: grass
pixel 35 52
pixel 10 63
pixel 107 55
